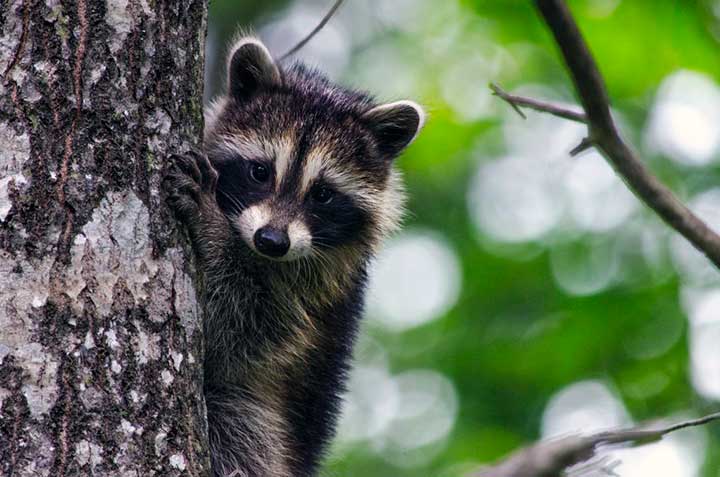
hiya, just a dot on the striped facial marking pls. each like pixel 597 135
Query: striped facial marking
pixel 248 146
pixel 242 146
pixel 307 196
pixel 320 165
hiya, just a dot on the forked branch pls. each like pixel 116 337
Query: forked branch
pixel 603 133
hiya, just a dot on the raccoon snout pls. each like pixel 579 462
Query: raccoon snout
pixel 271 241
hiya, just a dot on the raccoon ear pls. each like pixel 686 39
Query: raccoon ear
pixel 250 68
pixel 395 125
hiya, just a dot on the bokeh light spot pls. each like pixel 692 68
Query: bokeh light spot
pixel 514 199
pixel 370 404
pixel 685 119
pixel 678 455
pixel 584 267
pixel 599 201
pixel 426 414
pixel 415 279
pixel 692 265
pixel 705 359
pixel 583 407
pixel 702 305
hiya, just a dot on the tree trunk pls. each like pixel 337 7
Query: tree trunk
pixel 100 341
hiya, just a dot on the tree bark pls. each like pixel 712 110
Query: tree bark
pixel 100 338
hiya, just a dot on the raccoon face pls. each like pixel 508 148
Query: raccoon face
pixel 304 165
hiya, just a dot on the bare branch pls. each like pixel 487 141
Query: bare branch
pixel 521 101
pixel 314 32
pixel 551 458
pixel 604 135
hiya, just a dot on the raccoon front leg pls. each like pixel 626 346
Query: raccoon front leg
pixel 191 184
pixel 237 447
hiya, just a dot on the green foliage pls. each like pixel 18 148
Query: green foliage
pixel 532 316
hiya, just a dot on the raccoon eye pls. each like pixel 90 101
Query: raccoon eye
pixel 259 173
pixel 322 194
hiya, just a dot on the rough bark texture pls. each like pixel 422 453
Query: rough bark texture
pixel 100 344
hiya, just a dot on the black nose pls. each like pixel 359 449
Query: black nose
pixel 271 242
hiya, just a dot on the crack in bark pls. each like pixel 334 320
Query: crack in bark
pixel 63 436
pixel 16 102
pixel 21 44
pixel 68 150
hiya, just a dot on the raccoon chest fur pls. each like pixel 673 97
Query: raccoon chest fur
pixel 291 196
pixel 262 324
pixel 276 369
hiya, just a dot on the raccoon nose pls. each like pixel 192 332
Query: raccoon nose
pixel 271 242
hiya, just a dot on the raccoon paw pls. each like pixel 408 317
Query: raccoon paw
pixel 190 185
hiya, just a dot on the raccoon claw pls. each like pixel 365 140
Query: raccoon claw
pixel 190 184
pixel 186 164
pixel 182 196
pixel 196 165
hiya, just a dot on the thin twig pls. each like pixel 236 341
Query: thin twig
pixel 315 31
pixel 692 423
pixel 604 135
pixel 639 434
pixel 521 101
pixel 550 458
pixel 544 107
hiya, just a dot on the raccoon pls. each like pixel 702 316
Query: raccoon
pixel 285 206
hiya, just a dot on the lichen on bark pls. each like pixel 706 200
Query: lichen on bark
pixel 100 348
